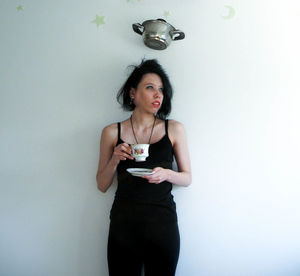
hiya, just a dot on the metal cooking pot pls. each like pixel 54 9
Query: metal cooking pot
pixel 157 34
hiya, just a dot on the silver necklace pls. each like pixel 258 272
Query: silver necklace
pixel 150 133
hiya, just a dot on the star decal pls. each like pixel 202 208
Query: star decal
pixel 99 20
pixel 130 1
pixel 166 14
pixel 20 8
pixel 231 12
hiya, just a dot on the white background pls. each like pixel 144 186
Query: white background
pixel 236 85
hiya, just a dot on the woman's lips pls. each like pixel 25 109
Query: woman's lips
pixel 156 104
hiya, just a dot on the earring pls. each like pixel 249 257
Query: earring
pixel 131 101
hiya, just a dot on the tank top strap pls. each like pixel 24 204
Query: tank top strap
pixel 166 127
pixel 119 131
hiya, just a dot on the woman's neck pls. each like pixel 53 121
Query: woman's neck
pixel 142 120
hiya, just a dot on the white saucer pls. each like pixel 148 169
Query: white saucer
pixel 140 171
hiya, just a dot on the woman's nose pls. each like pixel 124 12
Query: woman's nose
pixel 157 93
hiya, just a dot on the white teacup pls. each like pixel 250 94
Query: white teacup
pixel 140 152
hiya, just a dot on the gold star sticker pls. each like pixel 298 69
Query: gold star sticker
pixel 166 14
pixel 20 8
pixel 99 20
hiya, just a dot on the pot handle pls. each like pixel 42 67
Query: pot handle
pixel 177 35
pixel 137 28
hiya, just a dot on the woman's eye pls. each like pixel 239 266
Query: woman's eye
pixel 149 87
pixel 161 90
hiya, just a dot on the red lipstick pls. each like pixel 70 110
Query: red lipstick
pixel 156 104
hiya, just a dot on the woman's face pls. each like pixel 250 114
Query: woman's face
pixel 148 96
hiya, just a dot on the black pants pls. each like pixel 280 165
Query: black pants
pixel 132 244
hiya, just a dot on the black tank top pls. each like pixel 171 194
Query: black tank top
pixel 136 197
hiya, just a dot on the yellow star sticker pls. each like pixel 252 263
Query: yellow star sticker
pixel 166 14
pixel 20 8
pixel 99 20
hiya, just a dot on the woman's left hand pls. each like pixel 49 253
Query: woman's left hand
pixel 160 175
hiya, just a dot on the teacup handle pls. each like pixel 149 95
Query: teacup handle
pixel 137 28
pixel 177 35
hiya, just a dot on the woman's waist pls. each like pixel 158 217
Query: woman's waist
pixel 134 187
pixel 143 198
pixel 143 209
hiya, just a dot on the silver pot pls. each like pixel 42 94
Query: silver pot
pixel 157 34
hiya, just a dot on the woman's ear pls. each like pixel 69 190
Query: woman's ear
pixel 132 93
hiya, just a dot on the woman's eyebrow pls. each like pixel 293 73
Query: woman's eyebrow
pixel 152 84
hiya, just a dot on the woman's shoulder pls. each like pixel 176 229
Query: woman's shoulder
pixel 110 132
pixel 111 127
pixel 175 129
pixel 175 125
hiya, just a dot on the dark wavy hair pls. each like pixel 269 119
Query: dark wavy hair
pixel 146 66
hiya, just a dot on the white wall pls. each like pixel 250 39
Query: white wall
pixel 236 90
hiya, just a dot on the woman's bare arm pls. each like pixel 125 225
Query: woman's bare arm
pixel 110 156
pixel 183 177
pixel 178 136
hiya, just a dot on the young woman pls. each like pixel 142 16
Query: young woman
pixel 143 226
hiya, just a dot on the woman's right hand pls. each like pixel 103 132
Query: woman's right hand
pixel 110 156
pixel 121 152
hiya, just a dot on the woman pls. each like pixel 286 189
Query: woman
pixel 143 227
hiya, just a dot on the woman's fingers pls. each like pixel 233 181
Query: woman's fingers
pixel 126 149
pixel 123 151
pixel 158 176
